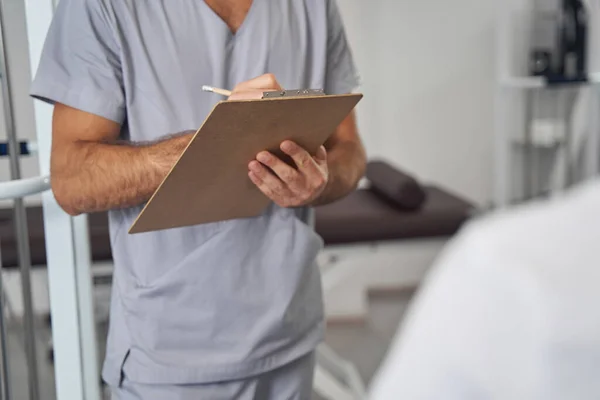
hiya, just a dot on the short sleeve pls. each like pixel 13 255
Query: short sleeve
pixel 80 62
pixel 341 75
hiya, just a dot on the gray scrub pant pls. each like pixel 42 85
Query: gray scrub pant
pixel 290 382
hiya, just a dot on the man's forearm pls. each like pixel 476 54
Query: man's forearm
pixel 94 176
pixel 346 163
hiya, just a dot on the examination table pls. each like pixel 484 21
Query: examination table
pixel 383 235
pixel 403 210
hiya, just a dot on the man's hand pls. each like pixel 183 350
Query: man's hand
pixel 323 178
pixel 288 186
pixel 285 185
pixel 254 88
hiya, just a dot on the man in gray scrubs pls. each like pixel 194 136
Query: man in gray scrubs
pixel 227 310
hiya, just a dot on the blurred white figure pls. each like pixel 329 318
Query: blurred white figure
pixel 511 310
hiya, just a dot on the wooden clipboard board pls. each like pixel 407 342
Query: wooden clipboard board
pixel 210 182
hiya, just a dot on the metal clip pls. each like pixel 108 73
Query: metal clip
pixel 293 93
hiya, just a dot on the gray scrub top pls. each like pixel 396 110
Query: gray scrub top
pixel 218 301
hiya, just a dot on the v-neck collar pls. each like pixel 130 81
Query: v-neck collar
pixel 245 22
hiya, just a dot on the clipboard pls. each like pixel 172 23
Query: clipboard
pixel 210 183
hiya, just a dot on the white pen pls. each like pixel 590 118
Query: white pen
pixel 223 92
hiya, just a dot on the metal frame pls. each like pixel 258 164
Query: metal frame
pixel 20 216
pixel 5 390
pixel 18 189
pixel 69 277
pixel 24 187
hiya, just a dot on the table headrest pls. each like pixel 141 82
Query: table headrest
pixel 393 185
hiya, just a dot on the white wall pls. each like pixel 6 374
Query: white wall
pixel 427 70
pixel 428 77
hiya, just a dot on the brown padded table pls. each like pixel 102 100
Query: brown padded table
pixel 363 216
pixel 98 228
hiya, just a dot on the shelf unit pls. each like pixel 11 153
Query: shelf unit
pixel 546 136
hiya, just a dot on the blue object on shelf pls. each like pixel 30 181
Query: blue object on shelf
pixel 23 149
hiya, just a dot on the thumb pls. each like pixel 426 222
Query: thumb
pixel 321 155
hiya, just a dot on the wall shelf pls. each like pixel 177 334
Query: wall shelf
pixel 528 108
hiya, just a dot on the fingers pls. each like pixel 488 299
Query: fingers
pixel 263 82
pixel 253 89
pixel 286 173
pixel 246 95
pixel 266 81
pixel 321 156
pixel 268 183
pixel 285 185
pixel 304 161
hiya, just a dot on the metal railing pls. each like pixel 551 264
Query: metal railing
pixel 20 214
pixel 16 190
pixel 24 187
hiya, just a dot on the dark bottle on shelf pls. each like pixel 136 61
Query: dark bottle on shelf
pixel 572 40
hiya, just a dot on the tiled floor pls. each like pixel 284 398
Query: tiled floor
pixel 363 344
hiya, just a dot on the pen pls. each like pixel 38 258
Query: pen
pixel 223 92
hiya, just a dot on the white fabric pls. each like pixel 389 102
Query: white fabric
pixel 509 312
